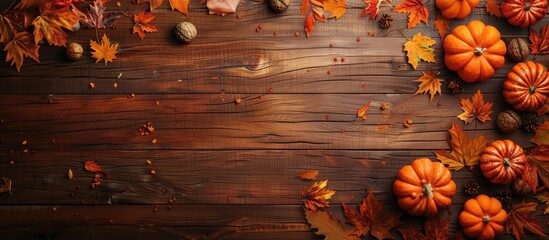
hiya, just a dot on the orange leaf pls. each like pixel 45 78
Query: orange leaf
pixel 538 165
pixel 540 44
pixel 542 134
pixel 362 110
pixel 419 48
pixel 493 8
pixel 104 51
pixel 417 12
pixel 464 152
pixel 91 166
pixel 27 4
pixel 305 5
pixel 222 7
pixel 411 233
pixel 476 109
pixel 328 225
pixel 143 24
pixel 48 25
pixel 371 218
pixel 153 4
pixel 519 218
pixel 441 24
pixel 429 83
pixel 317 196
pixel 309 24
pixel 308 175
pixel 6 185
pixel 180 5
pixel 336 7
pixel 544 198
pixel 19 47
pixel 372 8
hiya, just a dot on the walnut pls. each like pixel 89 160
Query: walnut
pixel 279 5
pixel 508 121
pixel 74 51
pixel 185 31
pixel 518 49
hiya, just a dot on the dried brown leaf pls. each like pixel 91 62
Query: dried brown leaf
pixel 308 175
pixel 317 196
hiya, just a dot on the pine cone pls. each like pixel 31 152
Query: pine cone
pixel 455 86
pixel 385 21
pixel 505 196
pixel 471 188
pixel 530 124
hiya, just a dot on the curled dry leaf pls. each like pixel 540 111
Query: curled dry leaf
pixel 465 152
pixel 179 5
pixel 361 112
pixel 70 174
pixel 222 7
pixel 93 167
pixel 308 175
pixel 6 185
pixel 475 109
pixel 419 48
pixel 317 196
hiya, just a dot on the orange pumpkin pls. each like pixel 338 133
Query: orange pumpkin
pixel 457 9
pixel 527 86
pixel 482 218
pixel 523 13
pixel 424 187
pixel 475 51
pixel 502 161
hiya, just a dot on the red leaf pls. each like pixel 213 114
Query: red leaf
pixel 416 10
pixel 305 5
pixel 309 24
pixel 143 24
pixel 519 218
pixel 437 227
pixel 372 8
pixel 540 44
pixel 91 166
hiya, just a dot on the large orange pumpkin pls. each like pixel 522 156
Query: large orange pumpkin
pixel 458 9
pixel 482 218
pixel 527 86
pixel 502 161
pixel 523 13
pixel 475 51
pixel 424 187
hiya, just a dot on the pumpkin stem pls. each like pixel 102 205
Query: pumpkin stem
pixel 428 190
pixel 479 51
pixel 486 219
pixel 526 6
pixel 532 89
pixel 506 162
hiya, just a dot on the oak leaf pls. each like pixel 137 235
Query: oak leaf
pixel 419 48
pixel 328 225
pixel 222 7
pixel 542 134
pixel 544 198
pixel 336 7
pixel 475 109
pixel 465 152
pixel 6 185
pixel 441 24
pixel 372 8
pixel 143 24
pixel 519 218
pixel 371 218
pixel 317 196
pixel 361 112
pixel 308 175
pixel 96 16
pixel 493 8
pixel 416 10
pixel 429 82
pixel 20 47
pixel 92 166
pixel 540 44
pixel 105 51
pixel 50 22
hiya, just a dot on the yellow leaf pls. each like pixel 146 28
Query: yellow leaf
pixel 542 134
pixel 464 152
pixel 104 51
pixel 336 7
pixel 317 196
pixel 419 48
pixel 429 83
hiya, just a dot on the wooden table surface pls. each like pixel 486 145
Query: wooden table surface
pixel 231 168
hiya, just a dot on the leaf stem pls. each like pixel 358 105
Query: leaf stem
pixel 404 34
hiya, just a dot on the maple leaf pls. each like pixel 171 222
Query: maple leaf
pixel 437 227
pixel 441 24
pixel 19 47
pixel 544 198
pixel 28 4
pixel 105 51
pixel 6 185
pixel 309 23
pixel 96 16
pixel 520 218
pixel 143 24
pixel 419 48
pixel 540 44
pixel 411 233
pixel 222 7
pixel 65 3
pixel 417 12
pixel 92 166
pixel 361 112
pixel 493 8
pixel 544 109
pixel 328 225
pixel 181 6
pixel 542 134
pixel 429 83
pixel 153 4
pixel 50 23
pixel 336 7
pixel 317 196
pixel 538 165
pixel 476 109
pixel 371 218
pixel 372 8
pixel 308 175
pixel 464 152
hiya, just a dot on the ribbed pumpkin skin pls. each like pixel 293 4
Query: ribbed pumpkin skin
pixel 527 86
pixel 523 13
pixel 502 161
pixel 482 218
pixel 413 184
pixel 457 9
pixel 475 51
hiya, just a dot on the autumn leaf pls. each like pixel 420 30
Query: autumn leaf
pixel 181 6
pixel 105 51
pixel 222 7
pixel 419 48
pixel 464 152
pixel 308 175
pixel 317 196
pixel 372 8
pixel 493 8
pixel 544 109
pixel 96 16
pixel 417 12
pixel 540 44
pixel 519 218
pixel 336 7
pixel 544 198
pixel 27 4
pixel 20 47
pixel 371 218
pixel 411 233
pixel 91 166
pixel 309 23
pixel 475 109
pixel 328 225
pixel 65 3
pixel 6 185
pixel 153 4
pixel 441 24
pixel 538 165
pixel 50 23
pixel 70 175
pixel 143 24
pixel 542 134
pixel 429 83
pixel 437 227
pixel 361 112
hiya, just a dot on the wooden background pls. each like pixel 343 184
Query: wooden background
pixel 231 168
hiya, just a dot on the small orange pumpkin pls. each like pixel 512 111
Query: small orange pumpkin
pixel 523 13
pixel 502 161
pixel 475 51
pixel 424 187
pixel 482 218
pixel 457 9
pixel 527 86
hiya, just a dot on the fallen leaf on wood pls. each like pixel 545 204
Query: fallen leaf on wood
pixel 416 10
pixel 464 152
pixel 21 47
pixel 411 233
pixel 538 165
pixel 372 8
pixel 93 167
pixel 437 227
pixel 153 4
pixel 419 48
pixel 441 24
pixel 308 175
pixel 475 109
pixel 429 82
pixel 27 4
pixel 6 185
pixel 181 6
pixel 540 44
pixel 542 134
pixel 317 196
pixel 361 112
pixel 544 198
pixel 96 16
pixel 328 225
pixel 316 14
pixel 104 51
pixel 519 218
pixel 493 8
pixel 544 109
pixel 70 175
pixel 309 23
pixel 65 3
pixel 50 22
pixel 222 7
pixel 143 24
pixel 336 7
